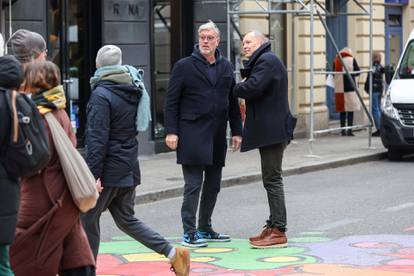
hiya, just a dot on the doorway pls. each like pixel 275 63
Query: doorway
pixel 72 38
pixel 393 34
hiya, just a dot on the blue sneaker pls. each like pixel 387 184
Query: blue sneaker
pixel 212 236
pixel 192 240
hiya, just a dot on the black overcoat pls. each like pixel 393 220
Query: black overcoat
pixel 10 77
pixel 268 119
pixel 198 108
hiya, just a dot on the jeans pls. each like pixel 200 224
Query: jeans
pixel 271 160
pixel 5 269
pixel 120 203
pixel 193 177
pixel 376 109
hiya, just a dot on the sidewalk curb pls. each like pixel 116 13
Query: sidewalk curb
pixel 246 179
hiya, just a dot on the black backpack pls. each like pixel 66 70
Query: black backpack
pixel 27 151
pixel 377 79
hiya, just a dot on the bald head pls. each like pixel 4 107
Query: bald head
pixel 252 41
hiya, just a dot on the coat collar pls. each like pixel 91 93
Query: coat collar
pixel 202 64
pixel 255 56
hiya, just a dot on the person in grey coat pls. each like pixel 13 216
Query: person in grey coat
pixel 268 127
pixel 112 155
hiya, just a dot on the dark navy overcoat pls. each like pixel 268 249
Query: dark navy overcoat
pixel 268 119
pixel 111 143
pixel 197 109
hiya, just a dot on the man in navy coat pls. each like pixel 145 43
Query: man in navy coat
pixel 269 126
pixel 199 103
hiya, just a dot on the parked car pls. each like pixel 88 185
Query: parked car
pixel 397 120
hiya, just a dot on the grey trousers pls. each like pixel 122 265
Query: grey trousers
pixel 120 203
pixel 271 159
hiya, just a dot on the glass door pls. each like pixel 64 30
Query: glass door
pixel 67 48
pixel 393 35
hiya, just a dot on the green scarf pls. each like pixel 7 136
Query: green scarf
pixel 49 100
pixel 116 74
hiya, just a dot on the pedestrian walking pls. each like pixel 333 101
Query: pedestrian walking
pixel 199 103
pixel 268 127
pixel 11 76
pixel 377 90
pixel 50 239
pixel 346 99
pixel 112 154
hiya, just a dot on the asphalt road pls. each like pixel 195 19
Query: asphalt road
pixel 364 199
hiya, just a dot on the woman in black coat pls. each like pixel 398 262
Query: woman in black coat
pixel 11 76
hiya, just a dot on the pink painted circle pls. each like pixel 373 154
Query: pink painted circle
pixel 375 245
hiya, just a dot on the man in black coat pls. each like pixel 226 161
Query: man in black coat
pixel 112 156
pixel 198 105
pixel 268 127
pixel 11 76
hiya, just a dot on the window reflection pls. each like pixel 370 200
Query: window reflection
pixel 162 61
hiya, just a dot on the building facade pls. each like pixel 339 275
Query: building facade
pixel 154 34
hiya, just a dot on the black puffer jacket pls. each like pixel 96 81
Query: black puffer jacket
pixel 10 77
pixel 111 143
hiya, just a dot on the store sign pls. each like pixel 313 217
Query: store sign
pixel 126 10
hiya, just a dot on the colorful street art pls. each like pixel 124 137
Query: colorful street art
pixel 307 255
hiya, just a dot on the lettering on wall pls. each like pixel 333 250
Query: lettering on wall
pixel 125 10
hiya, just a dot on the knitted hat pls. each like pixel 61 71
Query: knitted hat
pixel 108 55
pixel 26 45
pixel 11 74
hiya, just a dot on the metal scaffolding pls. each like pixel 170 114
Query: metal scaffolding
pixel 312 9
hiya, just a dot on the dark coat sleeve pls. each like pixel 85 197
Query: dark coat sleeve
pixel 262 75
pixel 356 67
pixel 97 133
pixel 234 114
pixel 172 100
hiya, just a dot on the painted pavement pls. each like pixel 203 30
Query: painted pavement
pixel 309 254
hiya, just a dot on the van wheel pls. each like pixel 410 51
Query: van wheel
pixel 394 154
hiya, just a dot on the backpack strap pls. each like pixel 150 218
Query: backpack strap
pixel 15 117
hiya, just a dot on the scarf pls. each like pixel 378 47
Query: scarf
pixel 337 62
pixel 49 100
pixel 125 74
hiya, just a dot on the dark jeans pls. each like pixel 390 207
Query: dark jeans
pixel 193 177
pixel 376 109
pixel 271 159
pixel 120 203
pixel 5 269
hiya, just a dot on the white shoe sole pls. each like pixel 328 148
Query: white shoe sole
pixel 192 245
pixel 282 245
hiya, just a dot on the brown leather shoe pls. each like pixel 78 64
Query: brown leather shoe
pixel 266 230
pixel 181 262
pixel 274 239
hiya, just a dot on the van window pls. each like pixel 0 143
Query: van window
pixel 406 70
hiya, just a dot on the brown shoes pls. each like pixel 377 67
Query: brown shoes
pixel 266 230
pixel 272 238
pixel 181 262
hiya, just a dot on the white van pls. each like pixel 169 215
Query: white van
pixel 397 119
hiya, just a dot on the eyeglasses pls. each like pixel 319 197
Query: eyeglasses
pixel 208 37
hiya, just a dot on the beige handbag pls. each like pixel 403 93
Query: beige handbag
pixel 81 182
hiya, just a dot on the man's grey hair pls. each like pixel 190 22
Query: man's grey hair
pixel 256 34
pixel 210 25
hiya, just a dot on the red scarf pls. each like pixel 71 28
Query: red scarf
pixel 337 61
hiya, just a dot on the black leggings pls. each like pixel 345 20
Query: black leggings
pixel 346 115
pixel 79 271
